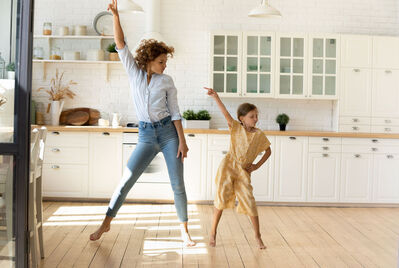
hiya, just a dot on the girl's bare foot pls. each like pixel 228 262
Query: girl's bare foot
pixel 260 243
pixel 97 234
pixel 212 240
pixel 187 241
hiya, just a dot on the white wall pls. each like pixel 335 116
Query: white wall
pixel 186 25
pixel 5 14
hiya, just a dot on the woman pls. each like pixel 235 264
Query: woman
pixel 160 128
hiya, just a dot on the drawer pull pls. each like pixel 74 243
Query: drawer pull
pixel 374 149
pixel 55 150
pixel 388 71
pixel 224 152
pixel 325 155
pixel 191 135
pixel 388 121
pixel 106 133
pixel 326 139
pixel 325 148
pixel 356 70
pixel 357 155
pixel 292 138
pixel 374 140
pixel 55 133
pixel 55 166
pixel 387 129
pixel 355 128
pixel 355 120
pixel 390 156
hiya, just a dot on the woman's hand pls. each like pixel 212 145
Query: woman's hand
pixel 182 151
pixel 113 7
pixel 212 92
pixel 251 167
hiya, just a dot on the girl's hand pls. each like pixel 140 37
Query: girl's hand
pixel 113 7
pixel 182 151
pixel 212 92
pixel 250 168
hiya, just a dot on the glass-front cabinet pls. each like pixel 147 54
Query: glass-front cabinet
pixel 226 63
pixel 258 64
pixel 323 66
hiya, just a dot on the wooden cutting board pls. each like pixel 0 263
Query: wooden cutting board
pixel 94 115
pixel 78 118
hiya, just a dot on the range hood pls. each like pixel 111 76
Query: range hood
pixel 153 21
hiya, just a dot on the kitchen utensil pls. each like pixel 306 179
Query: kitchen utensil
pixel 115 119
pixel 71 55
pixel 95 54
pixel 63 30
pixel 78 118
pixel 47 28
pixel 103 23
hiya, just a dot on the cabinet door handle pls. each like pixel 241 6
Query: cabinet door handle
pixel 387 129
pixel 55 150
pixel 325 148
pixel 388 71
pixel 390 156
pixel 325 155
pixel 374 149
pixel 357 155
pixel 292 138
pixel 55 166
pixel 374 140
pixel 106 133
pixel 355 120
pixel 356 70
pixel 224 152
pixel 56 133
pixel 191 135
pixel 326 139
pixel 388 121
pixel 355 128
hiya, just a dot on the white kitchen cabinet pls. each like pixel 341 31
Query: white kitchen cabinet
pixel 355 96
pixel 262 178
pixel 386 52
pixel 323 66
pixel 291 65
pixel 290 175
pixel 258 64
pixel 225 64
pixel 195 167
pixel 356 51
pixel 386 178
pixel 105 163
pixel 385 93
pixel 66 164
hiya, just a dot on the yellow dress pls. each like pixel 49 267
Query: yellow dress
pixel 231 179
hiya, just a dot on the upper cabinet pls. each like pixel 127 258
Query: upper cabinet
pixel 356 51
pixel 226 63
pixel 386 52
pixel 258 65
pixel 291 64
pixel 323 66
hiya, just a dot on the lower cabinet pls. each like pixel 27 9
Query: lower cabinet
pixel 386 178
pixel 356 177
pixel 105 158
pixel 290 174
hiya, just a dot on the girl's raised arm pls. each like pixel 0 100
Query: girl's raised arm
pixel 222 108
pixel 118 33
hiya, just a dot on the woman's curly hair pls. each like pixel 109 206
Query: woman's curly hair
pixel 149 50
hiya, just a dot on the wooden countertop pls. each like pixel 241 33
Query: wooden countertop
pixel 218 131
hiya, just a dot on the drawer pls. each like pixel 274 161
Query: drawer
pixel 357 149
pixel 385 121
pixel 66 155
pixel 355 128
pixel 324 140
pixel 70 139
pixel 361 141
pixel 384 129
pixel 218 142
pixel 354 120
pixel 317 148
pixel 386 149
pixel 65 180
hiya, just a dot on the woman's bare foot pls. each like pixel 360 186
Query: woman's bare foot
pixel 97 234
pixel 212 240
pixel 260 243
pixel 187 241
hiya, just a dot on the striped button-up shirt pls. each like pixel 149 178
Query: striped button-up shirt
pixel 153 101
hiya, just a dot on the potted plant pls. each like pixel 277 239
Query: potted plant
pixel 57 92
pixel 113 54
pixel 282 120
pixel 196 120
pixel 11 70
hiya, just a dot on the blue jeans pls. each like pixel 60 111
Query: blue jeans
pixel 155 137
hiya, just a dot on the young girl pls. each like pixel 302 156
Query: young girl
pixel 233 178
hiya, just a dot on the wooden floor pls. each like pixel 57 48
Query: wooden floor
pixel 148 236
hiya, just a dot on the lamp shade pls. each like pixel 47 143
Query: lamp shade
pixel 264 10
pixel 128 6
